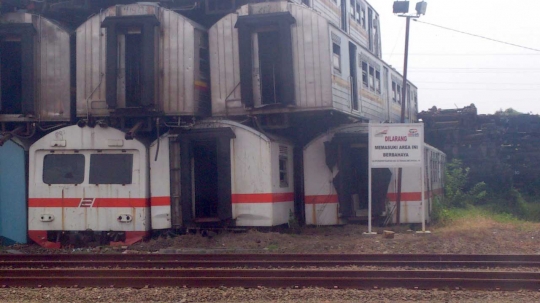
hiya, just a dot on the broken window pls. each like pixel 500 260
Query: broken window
pixel 63 169
pixel 336 57
pixel 365 74
pixel 371 78
pixel 283 171
pixel 111 168
pixel 11 75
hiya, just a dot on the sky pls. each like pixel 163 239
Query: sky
pixel 454 70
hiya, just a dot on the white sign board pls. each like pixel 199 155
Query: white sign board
pixel 396 145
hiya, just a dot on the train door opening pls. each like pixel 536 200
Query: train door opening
pixel 350 153
pixel 133 67
pixel 11 76
pixel 205 180
pixel 269 67
pixel 201 177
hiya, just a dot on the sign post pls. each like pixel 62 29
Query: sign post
pixel 396 145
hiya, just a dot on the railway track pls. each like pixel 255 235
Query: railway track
pixel 161 270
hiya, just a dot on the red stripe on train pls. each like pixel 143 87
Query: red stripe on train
pixel 262 198
pixel 99 202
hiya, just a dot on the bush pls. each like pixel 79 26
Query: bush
pixel 454 187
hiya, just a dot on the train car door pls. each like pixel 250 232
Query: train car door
pixel 13 208
pixel 205 175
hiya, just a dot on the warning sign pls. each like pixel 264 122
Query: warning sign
pixel 396 145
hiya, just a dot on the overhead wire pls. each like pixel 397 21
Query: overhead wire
pixel 479 36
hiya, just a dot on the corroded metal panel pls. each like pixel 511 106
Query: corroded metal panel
pixel 51 66
pixel 177 43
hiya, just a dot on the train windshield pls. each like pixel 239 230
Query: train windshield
pixel 63 169
pixel 111 168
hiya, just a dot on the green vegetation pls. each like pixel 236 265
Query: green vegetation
pixel 508 112
pixel 505 206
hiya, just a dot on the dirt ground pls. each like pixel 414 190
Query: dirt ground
pixel 473 236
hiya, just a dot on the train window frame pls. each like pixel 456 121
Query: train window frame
pixel 394 91
pixel 365 68
pixel 47 176
pixel 363 17
pixel 378 81
pixel 123 174
pixel 372 78
pixel 352 5
pixel 399 92
pixel 336 58
pixel 357 13
pixel 283 166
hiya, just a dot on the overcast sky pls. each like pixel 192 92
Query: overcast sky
pixel 452 69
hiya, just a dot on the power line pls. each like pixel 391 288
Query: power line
pixel 479 36
pixel 483 89
pixel 477 54
pixel 491 83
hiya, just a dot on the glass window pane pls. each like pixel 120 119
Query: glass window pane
pixel 111 168
pixel 63 169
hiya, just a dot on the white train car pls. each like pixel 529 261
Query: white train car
pixel 36 69
pixel 221 172
pixel 411 193
pixel 335 181
pixel 142 60
pixel 84 180
pixel 282 57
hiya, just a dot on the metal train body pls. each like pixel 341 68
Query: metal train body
pixel 13 211
pixel 283 57
pixel 141 60
pixel 88 179
pixel 220 170
pixel 35 92
pixel 36 69
pixel 339 157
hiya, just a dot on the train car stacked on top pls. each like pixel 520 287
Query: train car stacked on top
pixel 35 86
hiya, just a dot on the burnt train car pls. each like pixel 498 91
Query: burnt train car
pixel 223 173
pixel 141 61
pixel 281 58
pixel 35 96
pixel 85 183
pixel 336 181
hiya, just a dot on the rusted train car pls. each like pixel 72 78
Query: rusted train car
pixel 35 96
pixel 336 181
pixel 84 180
pixel 220 172
pixel 282 57
pixel 141 61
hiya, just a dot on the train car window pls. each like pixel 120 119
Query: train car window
pixel 336 50
pixel 283 176
pixel 306 2
pixel 63 169
pixel 352 8
pixel 365 74
pixel 357 13
pixel 11 76
pixel 269 62
pixel 378 81
pixel 394 92
pixel 371 78
pixel 363 17
pixel 398 90
pixel 111 168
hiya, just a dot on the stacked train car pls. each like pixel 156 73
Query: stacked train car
pixel 35 86
pixel 170 124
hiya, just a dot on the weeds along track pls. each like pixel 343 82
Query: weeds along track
pixel 269 270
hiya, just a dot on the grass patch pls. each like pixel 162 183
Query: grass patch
pixel 472 217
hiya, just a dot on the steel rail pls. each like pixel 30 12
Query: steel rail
pixel 270 257
pixel 262 260
pixel 260 264
pixel 269 278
